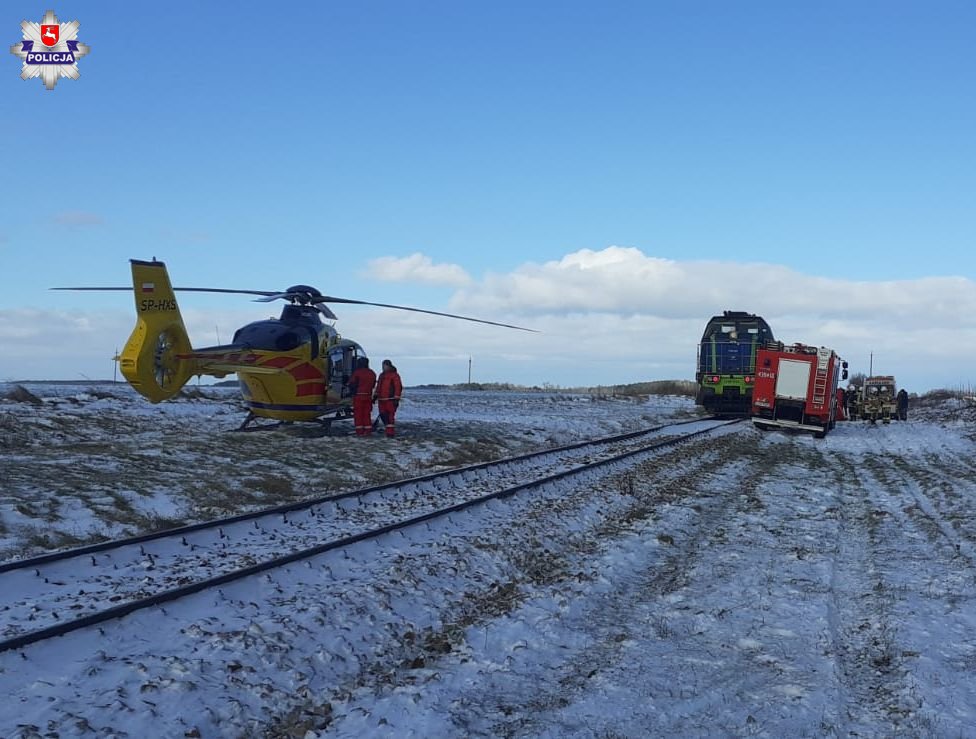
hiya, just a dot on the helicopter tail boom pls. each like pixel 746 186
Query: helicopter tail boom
pixel 151 360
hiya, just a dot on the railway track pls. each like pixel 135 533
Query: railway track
pixel 55 594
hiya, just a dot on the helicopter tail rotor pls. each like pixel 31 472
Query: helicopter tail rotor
pixel 154 359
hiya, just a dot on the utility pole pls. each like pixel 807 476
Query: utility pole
pixel 469 370
pixel 871 366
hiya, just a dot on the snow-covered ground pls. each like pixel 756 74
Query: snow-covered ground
pixel 752 584
pixel 88 461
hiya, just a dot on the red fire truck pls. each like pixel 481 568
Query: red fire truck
pixel 796 387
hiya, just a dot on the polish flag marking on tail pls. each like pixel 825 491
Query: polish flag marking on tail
pixel 148 287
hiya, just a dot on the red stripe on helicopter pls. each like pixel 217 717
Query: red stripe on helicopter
pixel 306 371
pixel 310 388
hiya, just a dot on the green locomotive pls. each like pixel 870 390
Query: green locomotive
pixel 727 361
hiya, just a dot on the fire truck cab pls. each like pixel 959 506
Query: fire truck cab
pixel 796 387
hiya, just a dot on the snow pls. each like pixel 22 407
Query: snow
pixel 750 584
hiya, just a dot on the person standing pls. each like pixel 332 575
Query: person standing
pixel 902 404
pixel 389 388
pixel 852 402
pixel 361 384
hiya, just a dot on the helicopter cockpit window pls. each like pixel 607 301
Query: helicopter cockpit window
pixel 277 336
pixel 286 341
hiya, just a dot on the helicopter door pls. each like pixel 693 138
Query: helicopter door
pixel 342 360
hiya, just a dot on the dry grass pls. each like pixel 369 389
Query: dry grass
pixel 466 452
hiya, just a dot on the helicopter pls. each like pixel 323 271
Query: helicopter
pixel 291 368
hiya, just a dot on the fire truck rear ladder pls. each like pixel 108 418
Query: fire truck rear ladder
pixel 820 379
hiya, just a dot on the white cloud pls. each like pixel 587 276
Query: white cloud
pixel 52 344
pixel 417 268
pixel 625 280
pixel 619 302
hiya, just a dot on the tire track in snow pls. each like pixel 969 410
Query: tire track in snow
pixel 750 603
pixel 787 617
pixel 568 565
pixel 911 532
pixel 624 614
pixel 863 640
pixel 943 499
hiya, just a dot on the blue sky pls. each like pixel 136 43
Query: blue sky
pixel 503 157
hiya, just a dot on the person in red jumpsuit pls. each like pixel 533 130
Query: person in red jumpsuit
pixel 361 384
pixel 388 391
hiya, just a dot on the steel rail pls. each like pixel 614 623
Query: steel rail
pixel 179 531
pixel 93 619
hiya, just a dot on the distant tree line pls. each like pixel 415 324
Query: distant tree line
pixel 634 389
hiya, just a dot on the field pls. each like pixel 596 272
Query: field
pixel 751 584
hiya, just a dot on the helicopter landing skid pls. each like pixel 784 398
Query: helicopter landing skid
pixel 249 424
pixel 251 418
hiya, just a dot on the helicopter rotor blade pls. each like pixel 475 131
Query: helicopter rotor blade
pixel 316 300
pixel 91 288
pixel 183 289
pixel 266 293
pixel 326 311
pixel 350 301
pixel 272 297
